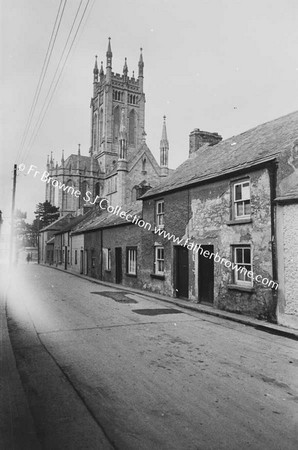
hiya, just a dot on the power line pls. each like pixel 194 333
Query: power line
pixel 43 73
pixel 57 68
pixel 45 107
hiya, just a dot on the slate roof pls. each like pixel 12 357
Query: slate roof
pixel 57 224
pixel 72 222
pixel 104 219
pixel 254 146
pixel 85 162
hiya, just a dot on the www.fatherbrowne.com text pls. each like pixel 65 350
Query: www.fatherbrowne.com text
pixel 117 210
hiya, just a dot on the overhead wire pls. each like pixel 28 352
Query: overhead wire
pixel 42 75
pixel 45 106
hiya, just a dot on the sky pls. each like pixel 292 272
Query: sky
pixel 219 65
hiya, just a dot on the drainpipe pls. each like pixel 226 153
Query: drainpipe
pixel 273 183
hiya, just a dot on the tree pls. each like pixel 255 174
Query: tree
pixel 45 214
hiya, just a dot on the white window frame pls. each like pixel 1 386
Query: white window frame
pixel 158 261
pixel 106 252
pixel 244 198
pixel 160 213
pixel 131 265
pixel 242 279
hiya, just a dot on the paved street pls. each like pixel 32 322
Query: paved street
pixel 103 369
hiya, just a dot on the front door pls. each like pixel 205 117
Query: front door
pixel 82 262
pixel 65 257
pixel 181 272
pixel 206 276
pixel 118 257
pixel 86 263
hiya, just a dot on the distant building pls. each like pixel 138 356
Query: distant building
pixel 120 166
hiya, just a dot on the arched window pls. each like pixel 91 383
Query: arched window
pixel 144 165
pixel 68 196
pixel 100 127
pixel 132 127
pixel 116 123
pixel 97 189
pixel 84 189
pixel 134 193
pixel 95 131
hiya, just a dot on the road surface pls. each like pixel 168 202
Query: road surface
pixel 106 369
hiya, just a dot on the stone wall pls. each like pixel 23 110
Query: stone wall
pixel 287 253
pixel 123 236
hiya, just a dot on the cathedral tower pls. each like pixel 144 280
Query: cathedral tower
pixel 116 98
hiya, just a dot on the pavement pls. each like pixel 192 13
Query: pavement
pixel 17 430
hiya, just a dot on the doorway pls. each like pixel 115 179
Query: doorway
pixel 181 272
pixel 206 276
pixel 82 262
pixel 118 264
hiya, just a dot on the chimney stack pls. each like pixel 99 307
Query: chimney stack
pixel 198 138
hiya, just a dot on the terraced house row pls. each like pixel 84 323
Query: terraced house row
pixel 222 229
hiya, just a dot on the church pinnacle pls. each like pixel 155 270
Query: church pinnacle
pixel 109 54
pixel 125 68
pixel 164 149
pixel 95 71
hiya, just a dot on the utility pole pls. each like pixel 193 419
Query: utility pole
pixel 11 250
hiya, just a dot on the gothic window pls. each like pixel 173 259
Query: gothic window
pixel 134 193
pixel 97 189
pixel 118 96
pixel 116 122
pixel 144 165
pixel 100 126
pixel 132 126
pixel 68 196
pixel 95 130
pixel 84 189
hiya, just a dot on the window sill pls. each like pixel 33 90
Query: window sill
pixel 239 221
pixel 158 277
pixel 238 287
pixel 108 270
pixel 133 275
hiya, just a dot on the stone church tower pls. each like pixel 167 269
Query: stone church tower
pixel 116 96
pixel 120 166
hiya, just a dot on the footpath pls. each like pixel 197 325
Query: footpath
pixel 17 431
pixel 261 325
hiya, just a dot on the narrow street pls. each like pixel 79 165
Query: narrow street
pixel 103 369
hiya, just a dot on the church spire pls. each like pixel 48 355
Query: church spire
pixel 95 71
pixel 164 149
